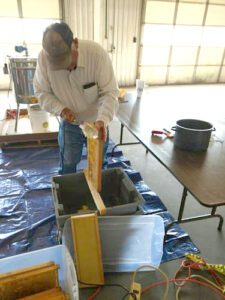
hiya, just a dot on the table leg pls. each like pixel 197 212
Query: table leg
pixel 121 133
pixel 121 140
pixel 182 204
pixel 17 116
pixel 213 213
pixel 197 218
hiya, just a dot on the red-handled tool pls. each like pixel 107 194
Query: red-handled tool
pixel 157 132
pixel 164 131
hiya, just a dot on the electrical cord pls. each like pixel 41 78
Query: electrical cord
pixel 188 265
pixel 218 286
pixel 200 283
pixel 100 286
pixel 165 294
pixel 105 284
pixel 207 281
pixel 96 292
pixel 173 280
pixel 129 293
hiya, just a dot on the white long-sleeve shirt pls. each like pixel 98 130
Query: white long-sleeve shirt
pixel 63 88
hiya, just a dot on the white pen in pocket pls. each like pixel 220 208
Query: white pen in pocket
pixel 90 92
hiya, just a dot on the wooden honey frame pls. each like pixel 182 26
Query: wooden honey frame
pixel 93 173
pixel 28 281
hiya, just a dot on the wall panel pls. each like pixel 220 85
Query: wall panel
pixel 79 14
pixel 196 39
pixel 115 25
pixel 9 8
pixel 23 21
pixel 41 9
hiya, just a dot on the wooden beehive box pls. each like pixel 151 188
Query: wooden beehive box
pixel 55 293
pixel 28 281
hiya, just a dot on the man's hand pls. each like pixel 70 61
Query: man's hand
pixel 101 129
pixel 67 115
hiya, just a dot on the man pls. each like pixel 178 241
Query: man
pixel 75 80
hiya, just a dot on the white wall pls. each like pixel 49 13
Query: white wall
pixel 115 25
pixel 24 23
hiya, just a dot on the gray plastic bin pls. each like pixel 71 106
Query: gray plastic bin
pixel 71 193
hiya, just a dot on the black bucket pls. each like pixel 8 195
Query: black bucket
pixel 192 135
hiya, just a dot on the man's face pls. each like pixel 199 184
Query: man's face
pixel 74 55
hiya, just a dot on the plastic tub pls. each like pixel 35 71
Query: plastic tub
pixel 127 242
pixel 58 254
pixel 71 193
pixel 39 119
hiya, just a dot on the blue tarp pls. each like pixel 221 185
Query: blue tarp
pixel 27 216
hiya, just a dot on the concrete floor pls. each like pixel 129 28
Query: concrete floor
pixel 204 233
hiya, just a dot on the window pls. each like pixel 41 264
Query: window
pixel 24 22
pixel 177 48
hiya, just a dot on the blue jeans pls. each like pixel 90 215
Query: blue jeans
pixel 71 141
